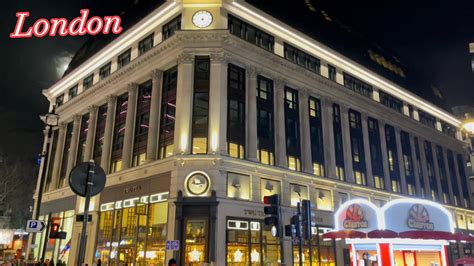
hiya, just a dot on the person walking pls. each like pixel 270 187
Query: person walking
pixel 172 262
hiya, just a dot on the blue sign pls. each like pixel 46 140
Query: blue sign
pixel 35 226
pixel 172 245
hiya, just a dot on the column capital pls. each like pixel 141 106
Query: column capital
pixel 279 83
pixel 252 71
pixel 156 73
pixel 186 58
pixel 326 100
pixel 77 119
pixel 111 98
pixel 93 109
pixel 304 92
pixel 62 126
pixel 132 87
pixel 219 57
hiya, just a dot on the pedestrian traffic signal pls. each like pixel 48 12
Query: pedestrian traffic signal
pixel 307 216
pixel 272 212
pixel 54 232
pixel 295 226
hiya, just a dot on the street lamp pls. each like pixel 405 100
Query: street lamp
pixel 50 120
pixel 468 125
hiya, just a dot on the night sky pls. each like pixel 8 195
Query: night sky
pixel 433 38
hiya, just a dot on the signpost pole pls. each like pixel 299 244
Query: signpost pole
pixel 46 237
pixel 281 233
pixel 82 251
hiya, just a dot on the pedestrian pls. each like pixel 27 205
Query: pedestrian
pixel 99 262
pixel 51 262
pixel 172 262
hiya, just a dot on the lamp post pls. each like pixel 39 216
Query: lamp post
pixel 51 120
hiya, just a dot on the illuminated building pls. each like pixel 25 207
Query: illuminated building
pixel 201 108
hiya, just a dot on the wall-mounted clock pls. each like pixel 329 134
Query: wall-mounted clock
pixel 202 19
pixel 197 183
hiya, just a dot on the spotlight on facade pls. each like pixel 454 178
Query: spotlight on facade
pixel 51 119
pixel 468 125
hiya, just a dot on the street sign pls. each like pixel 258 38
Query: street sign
pixel 35 226
pixel 172 245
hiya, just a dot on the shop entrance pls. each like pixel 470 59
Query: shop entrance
pixel 417 257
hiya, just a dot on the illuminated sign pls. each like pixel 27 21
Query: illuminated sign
pixel 419 218
pixel 81 25
pixel 355 217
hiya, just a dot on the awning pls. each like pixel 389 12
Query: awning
pixel 436 235
pixel 382 234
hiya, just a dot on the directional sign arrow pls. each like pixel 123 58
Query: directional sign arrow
pixel 35 226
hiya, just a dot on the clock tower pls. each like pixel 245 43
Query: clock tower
pixel 203 15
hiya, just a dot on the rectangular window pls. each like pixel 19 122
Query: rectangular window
pixel 142 118
pixel 427 119
pixel 146 44
pixel 316 135
pixel 200 120
pixel 420 169
pixel 303 59
pixel 298 193
pixel 81 145
pixel 238 186
pixel 59 100
pixel 118 133
pixel 168 113
pixel 448 129
pixel 464 181
pixel 408 162
pixel 292 129
pixel 265 121
pixel 376 153
pixel 269 187
pixel 332 72
pixel 124 58
pixel 72 92
pixel 67 146
pixel 52 152
pixel 392 155
pixel 250 33
pixel 357 147
pixel 88 81
pixel 324 200
pixel 170 27
pixel 338 146
pixel 453 178
pixel 358 85
pixel 391 101
pixel 104 71
pixel 236 111
pixel 99 133
pixel 431 172
pixel 442 174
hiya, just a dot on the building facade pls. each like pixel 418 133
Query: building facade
pixel 202 108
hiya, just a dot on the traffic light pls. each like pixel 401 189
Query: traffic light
pixel 307 216
pixel 272 212
pixel 54 232
pixel 295 226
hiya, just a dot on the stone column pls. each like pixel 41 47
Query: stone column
pixel 305 136
pixel 71 159
pixel 401 162
pixel 416 171
pixel 184 93
pixel 346 142
pixel 458 176
pixel 368 160
pixel 91 128
pixel 437 173
pixel 217 136
pixel 155 113
pixel 280 136
pixel 424 166
pixel 448 176
pixel 328 137
pixel 129 126
pixel 108 132
pixel 252 113
pixel 58 156
pixel 383 147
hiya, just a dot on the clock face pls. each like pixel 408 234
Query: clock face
pixel 197 184
pixel 202 19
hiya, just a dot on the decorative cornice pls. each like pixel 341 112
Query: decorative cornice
pixel 219 57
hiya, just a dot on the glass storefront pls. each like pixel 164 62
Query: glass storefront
pixel 316 252
pixel 57 249
pixel 196 241
pixel 133 231
pixel 249 243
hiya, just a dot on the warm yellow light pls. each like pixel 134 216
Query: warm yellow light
pixel 214 141
pixel 184 142
pixel 468 125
